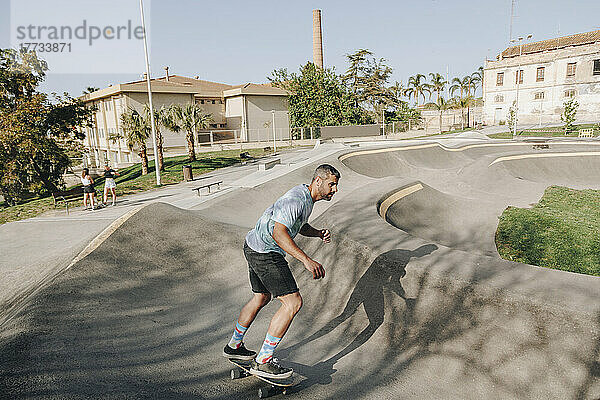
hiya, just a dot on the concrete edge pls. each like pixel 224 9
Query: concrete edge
pixel 21 300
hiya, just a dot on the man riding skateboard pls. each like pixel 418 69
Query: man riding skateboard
pixel 270 277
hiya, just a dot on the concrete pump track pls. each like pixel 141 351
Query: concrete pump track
pixel 416 303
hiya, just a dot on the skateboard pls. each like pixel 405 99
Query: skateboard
pixel 277 386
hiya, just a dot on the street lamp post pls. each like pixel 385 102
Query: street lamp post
pixel 274 143
pixel 152 122
pixel 519 77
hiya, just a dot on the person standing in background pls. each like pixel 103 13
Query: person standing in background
pixel 88 188
pixel 109 183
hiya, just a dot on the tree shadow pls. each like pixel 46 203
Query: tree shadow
pixel 384 273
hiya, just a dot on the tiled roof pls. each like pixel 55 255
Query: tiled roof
pixel 181 84
pixel 177 82
pixel 553 44
pixel 255 88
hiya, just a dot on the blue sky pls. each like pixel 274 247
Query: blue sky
pixel 243 41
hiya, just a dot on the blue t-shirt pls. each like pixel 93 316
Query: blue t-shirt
pixel 292 210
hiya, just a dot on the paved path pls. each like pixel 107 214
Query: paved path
pixel 416 303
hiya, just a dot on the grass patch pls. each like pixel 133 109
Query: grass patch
pixel 557 131
pixel 562 231
pixel 132 181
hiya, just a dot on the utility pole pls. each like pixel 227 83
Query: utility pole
pixel 512 14
pixel 519 77
pixel 274 144
pixel 152 122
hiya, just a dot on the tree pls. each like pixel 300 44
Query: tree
pixel 20 74
pixel 355 75
pixel 569 113
pixel 441 105
pixel 37 134
pixel 136 130
pixel 511 118
pixel 477 80
pixel 438 84
pixel 465 85
pixel 189 118
pixel 90 89
pixel 462 103
pixel 161 116
pixel 367 79
pixel 317 97
pixel 417 88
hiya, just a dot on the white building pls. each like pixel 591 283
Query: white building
pixel 551 72
pixel 219 100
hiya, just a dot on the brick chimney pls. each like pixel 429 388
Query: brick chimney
pixel 317 39
pixel 166 73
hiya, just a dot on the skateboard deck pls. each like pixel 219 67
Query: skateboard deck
pixel 242 370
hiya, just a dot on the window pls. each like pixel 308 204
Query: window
pixel 499 98
pixel 570 93
pixel 213 102
pixel 539 77
pixel 596 67
pixel 538 96
pixel 201 101
pixel 571 69
pixel 500 79
pixel 519 77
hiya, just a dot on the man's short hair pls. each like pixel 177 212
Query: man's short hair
pixel 324 170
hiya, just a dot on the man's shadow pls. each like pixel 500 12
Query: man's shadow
pixel 384 273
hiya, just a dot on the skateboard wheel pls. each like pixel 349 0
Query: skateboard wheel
pixel 263 393
pixel 236 374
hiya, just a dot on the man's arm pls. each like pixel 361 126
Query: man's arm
pixel 285 241
pixel 309 231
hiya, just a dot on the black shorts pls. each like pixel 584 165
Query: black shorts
pixel 88 189
pixel 269 273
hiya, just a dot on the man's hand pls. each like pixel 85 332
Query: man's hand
pixel 317 269
pixel 325 235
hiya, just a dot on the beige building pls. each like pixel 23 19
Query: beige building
pixel 250 104
pixel 253 108
pixel 551 72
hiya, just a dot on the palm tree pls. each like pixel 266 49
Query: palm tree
pixel 160 117
pixel 466 84
pixel 136 130
pixel 438 84
pixel 477 79
pixel 441 105
pixel 462 103
pixel 416 88
pixel 189 118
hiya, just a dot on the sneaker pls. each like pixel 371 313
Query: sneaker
pixel 241 353
pixel 270 369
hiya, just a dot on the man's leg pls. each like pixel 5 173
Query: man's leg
pixel 247 315
pixel 290 305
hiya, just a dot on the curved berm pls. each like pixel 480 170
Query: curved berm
pixel 416 303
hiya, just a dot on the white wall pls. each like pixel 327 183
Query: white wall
pixel 554 85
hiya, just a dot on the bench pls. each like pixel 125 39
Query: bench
pixel 208 185
pixel 586 132
pixel 265 165
pixel 66 196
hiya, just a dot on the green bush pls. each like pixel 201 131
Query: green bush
pixel 561 232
